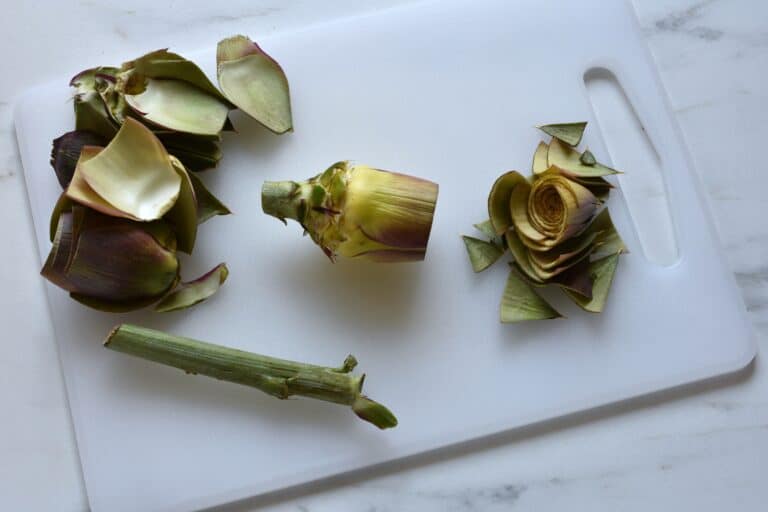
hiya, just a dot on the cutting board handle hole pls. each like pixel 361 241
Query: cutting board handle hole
pixel 643 183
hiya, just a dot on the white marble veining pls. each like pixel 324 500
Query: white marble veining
pixel 703 449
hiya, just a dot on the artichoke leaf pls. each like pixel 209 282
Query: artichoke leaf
pixel 165 64
pixel 208 205
pixel 499 200
pixel 80 191
pixel 570 133
pixel 520 302
pixel 134 173
pixel 587 158
pixel 569 160
pixel 193 292
pixel 481 254
pixel 602 272
pixel 540 159
pixel 254 82
pixel 183 216
pixel 179 106
pixel 608 241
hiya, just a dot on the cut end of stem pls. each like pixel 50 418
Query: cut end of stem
pixel 373 412
pixel 280 199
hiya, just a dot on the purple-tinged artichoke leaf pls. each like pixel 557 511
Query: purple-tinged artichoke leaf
pixel 138 265
pixel 570 133
pixel 569 160
pixel 576 280
pixel 108 306
pixel 602 272
pixel 254 82
pixel 55 266
pixel 193 292
pixel 481 254
pixel 134 173
pixel 208 205
pixel 63 205
pixel 520 302
pixel 66 152
pixel 499 200
pixel 179 106
pixel 565 252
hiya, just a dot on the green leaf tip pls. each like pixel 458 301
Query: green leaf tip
pixel 520 302
pixel 570 133
pixel 481 254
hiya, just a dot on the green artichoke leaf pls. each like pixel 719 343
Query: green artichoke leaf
pixel 481 254
pixel 208 205
pixel 587 158
pixel 183 215
pixel 520 302
pixel 91 115
pixel 486 228
pixel 193 292
pixel 570 133
pixel 134 173
pixel 608 241
pixel 569 160
pixel 179 106
pixel 602 272
pixel 165 64
pixel 254 82
pixel 196 152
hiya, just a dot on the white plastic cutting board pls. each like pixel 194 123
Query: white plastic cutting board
pixel 448 91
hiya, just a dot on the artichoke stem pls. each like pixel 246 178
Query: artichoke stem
pixel 277 377
pixel 282 199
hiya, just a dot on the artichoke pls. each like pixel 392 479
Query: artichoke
pixel 555 227
pixel 358 212
pixel 116 228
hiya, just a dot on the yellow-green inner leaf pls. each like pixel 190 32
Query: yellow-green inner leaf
pixel 540 158
pixel 569 160
pixel 134 173
pixel 499 200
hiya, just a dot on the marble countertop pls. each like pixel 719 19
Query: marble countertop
pixel 704 448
